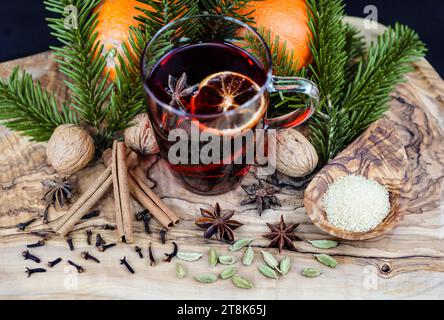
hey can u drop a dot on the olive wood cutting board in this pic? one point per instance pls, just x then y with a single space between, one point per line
407 262
378 154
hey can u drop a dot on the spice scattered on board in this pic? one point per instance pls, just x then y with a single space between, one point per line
356 204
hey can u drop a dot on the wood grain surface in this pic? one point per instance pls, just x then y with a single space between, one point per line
407 262
378 154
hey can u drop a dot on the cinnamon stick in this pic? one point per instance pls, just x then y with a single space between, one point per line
121 193
88 200
85 203
139 179
138 193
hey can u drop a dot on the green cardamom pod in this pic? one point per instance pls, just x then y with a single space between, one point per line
212 257
323 244
311 273
227 260
270 259
248 257
326 260
180 271
239 244
285 265
241 282
189 256
267 271
206 278
228 273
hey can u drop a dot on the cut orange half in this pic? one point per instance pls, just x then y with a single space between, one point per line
223 92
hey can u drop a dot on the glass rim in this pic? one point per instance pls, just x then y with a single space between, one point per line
259 94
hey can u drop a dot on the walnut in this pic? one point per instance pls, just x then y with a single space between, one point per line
70 149
140 137
295 155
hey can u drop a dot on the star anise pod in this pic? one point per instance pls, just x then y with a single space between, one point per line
218 222
282 235
178 89
261 195
58 191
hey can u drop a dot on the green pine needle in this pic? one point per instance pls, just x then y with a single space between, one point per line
355 86
165 11
127 100
389 59
81 59
328 47
355 48
229 8
27 108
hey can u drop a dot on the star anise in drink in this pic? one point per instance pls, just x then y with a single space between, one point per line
261 195
218 222
177 89
58 191
282 235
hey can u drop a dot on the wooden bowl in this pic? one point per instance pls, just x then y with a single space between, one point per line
377 154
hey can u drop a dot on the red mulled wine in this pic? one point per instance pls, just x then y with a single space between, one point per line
218 88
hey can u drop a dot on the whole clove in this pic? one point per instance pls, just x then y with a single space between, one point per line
88 236
170 256
85 255
144 216
162 233
92 214
22 226
152 259
105 247
139 251
80 269
70 242
46 215
108 227
32 271
54 262
99 241
127 265
28 256
39 243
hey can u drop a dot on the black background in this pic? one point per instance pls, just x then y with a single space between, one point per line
23 30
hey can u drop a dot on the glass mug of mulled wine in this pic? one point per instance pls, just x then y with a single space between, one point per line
208 77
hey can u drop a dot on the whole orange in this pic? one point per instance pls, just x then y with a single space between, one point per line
115 17
289 20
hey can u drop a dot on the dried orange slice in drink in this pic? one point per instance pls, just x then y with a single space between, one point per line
226 91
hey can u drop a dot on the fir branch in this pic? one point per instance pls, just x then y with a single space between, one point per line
127 100
230 8
26 107
284 64
355 49
81 58
354 90
328 47
165 11
284 61
389 59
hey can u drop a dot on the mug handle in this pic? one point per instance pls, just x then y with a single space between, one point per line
300 115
